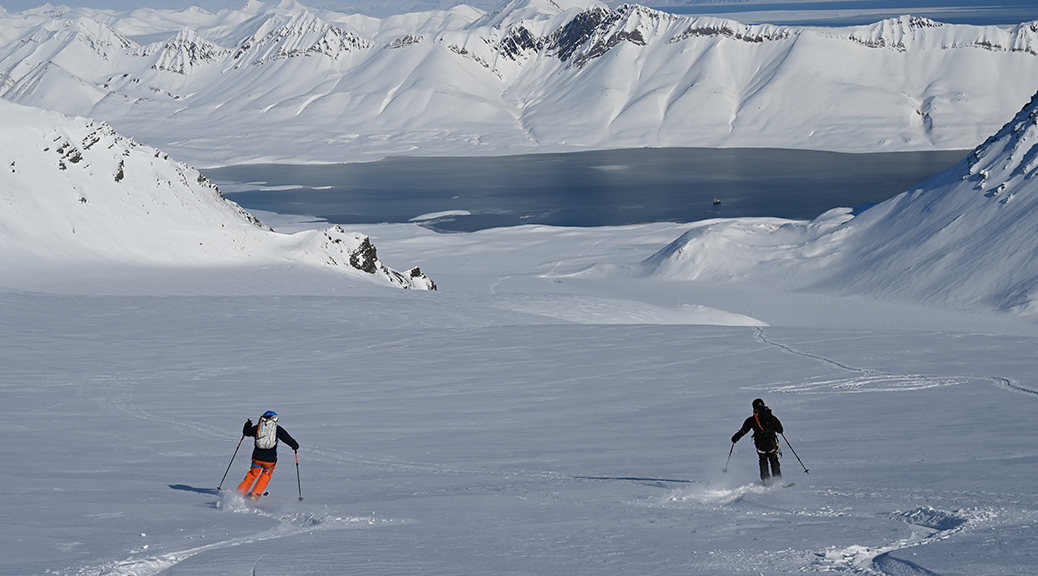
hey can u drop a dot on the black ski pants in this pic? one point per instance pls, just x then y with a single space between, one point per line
771 458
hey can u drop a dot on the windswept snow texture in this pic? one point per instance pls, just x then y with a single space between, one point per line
286 83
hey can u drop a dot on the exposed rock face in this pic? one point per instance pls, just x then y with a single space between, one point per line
356 250
183 53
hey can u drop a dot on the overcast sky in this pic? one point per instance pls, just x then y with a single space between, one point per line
830 12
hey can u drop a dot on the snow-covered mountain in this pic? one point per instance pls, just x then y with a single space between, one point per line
964 237
275 83
74 191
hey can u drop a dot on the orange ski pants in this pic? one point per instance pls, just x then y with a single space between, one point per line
260 470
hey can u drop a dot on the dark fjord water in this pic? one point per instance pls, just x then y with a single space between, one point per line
601 188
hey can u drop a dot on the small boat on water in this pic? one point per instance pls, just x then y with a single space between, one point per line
717 201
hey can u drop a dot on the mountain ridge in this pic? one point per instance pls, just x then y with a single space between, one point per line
76 192
963 238
287 83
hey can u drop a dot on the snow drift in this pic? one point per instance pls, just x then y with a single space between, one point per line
73 191
966 236
286 83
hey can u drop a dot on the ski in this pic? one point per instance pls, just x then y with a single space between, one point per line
777 485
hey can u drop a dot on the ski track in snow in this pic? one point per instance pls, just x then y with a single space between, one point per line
117 399
928 524
117 395
553 274
720 496
288 525
869 380
1010 385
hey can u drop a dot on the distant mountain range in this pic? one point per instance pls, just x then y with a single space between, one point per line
285 83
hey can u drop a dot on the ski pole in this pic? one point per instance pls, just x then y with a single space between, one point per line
220 487
298 485
794 453
729 458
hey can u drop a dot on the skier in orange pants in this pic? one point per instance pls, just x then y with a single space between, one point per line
265 452
262 470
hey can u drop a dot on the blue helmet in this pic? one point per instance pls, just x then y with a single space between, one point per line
270 415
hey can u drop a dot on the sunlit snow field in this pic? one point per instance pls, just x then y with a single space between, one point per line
518 421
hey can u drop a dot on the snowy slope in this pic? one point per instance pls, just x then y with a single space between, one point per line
286 82
75 191
965 237
520 421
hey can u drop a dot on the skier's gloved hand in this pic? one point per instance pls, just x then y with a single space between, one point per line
735 438
245 428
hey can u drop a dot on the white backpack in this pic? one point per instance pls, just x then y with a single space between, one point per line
266 433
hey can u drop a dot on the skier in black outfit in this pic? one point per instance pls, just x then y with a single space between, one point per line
765 428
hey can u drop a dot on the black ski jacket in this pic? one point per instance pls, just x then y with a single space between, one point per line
765 426
269 454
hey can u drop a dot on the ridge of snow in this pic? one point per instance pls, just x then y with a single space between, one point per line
99 36
183 53
48 84
1010 157
74 190
911 32
303 34
520 12
964 237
